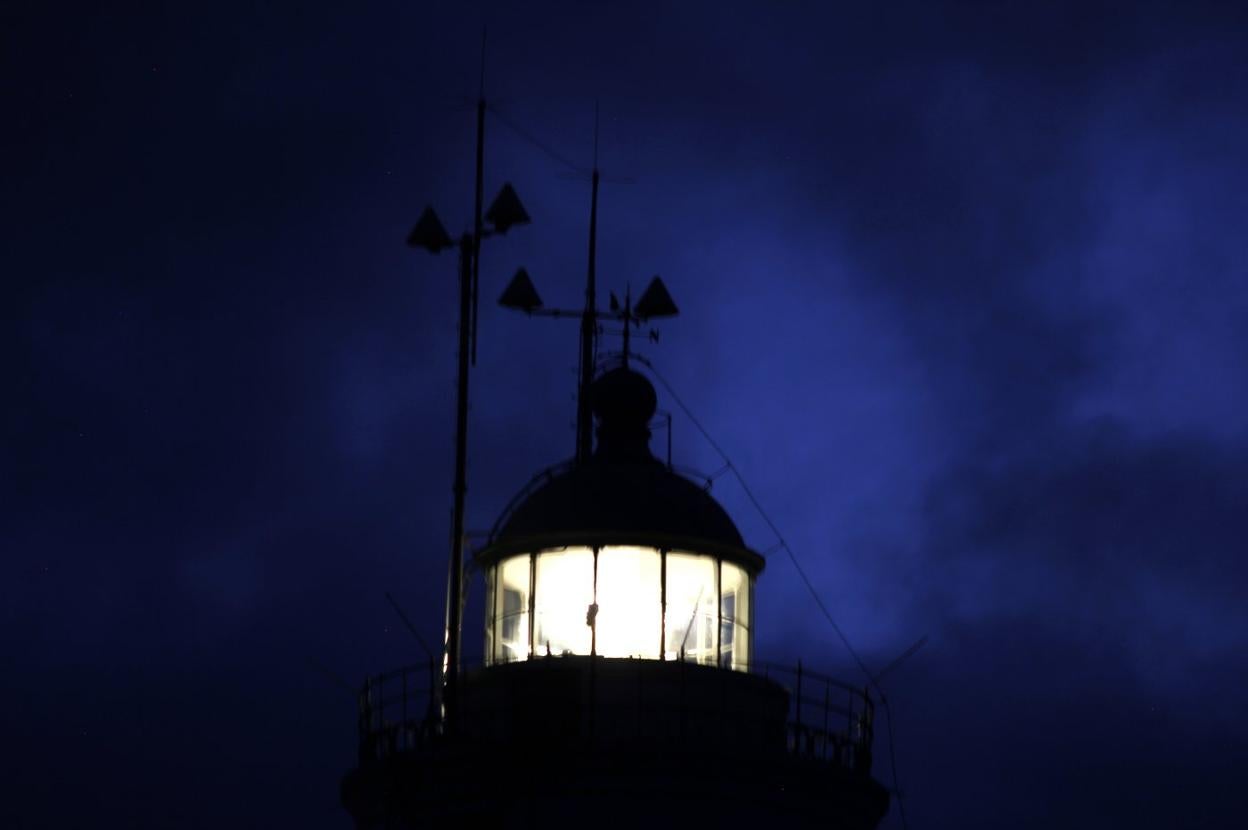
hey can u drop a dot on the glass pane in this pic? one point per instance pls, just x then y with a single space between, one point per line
741 647
629 602
564 592
489 614
734 646
734 593
734 608
511 610
691 613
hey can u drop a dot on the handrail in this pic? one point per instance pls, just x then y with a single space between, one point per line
418 705
828 720
761 667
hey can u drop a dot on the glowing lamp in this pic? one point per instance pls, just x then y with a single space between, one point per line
620 557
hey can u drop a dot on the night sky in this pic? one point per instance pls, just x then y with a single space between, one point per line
963 294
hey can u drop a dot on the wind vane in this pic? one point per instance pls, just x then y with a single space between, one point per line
655 302
521 295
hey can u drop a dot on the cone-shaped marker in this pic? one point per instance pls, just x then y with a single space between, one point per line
655 302
520 294
506 210
429 233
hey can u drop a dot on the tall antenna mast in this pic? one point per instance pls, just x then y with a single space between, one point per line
505 212
589 323
476 225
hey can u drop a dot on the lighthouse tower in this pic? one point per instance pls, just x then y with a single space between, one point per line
620 685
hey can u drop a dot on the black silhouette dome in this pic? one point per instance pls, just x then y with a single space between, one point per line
622 489
602 497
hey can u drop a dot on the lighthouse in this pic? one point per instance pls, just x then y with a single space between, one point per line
620 684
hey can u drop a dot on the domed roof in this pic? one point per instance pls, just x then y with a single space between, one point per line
605 497
621 493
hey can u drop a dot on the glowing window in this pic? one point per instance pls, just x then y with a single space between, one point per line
622 601
734 616
511 610
630 610
564 590
691 614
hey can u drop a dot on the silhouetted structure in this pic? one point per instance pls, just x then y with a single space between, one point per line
620 686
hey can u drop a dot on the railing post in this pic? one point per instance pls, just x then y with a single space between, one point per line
641 706
869 711
827 704
433 685
862 747
849 716
363 721
684 710
797 723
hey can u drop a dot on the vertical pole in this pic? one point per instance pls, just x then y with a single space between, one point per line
532 645
455 590
592 616
589 325
663 604
476 226
719 612
593 656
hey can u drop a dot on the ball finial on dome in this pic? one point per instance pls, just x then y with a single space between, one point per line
623 402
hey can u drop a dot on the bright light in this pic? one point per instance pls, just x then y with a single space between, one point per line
620 613
565 590
630 614
690 608
511 610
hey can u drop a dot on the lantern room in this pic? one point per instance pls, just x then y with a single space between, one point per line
619 556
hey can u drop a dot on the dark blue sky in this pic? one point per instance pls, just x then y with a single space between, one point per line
963 294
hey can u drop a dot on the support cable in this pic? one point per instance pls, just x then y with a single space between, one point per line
814 593
536 142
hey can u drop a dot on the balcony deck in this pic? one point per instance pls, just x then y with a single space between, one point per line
617 742
620 702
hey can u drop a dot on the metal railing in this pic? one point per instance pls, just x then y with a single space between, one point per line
828 720
399 711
